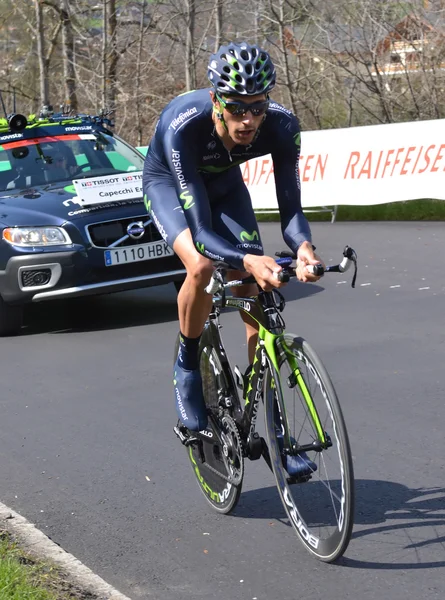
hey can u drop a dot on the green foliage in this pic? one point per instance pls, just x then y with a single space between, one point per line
412 210
18 576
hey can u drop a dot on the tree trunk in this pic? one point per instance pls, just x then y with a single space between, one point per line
137 91
104 53
112 57
68 56
190 64
218 23
43 63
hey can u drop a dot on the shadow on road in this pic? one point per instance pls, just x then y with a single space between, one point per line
98 313
405 520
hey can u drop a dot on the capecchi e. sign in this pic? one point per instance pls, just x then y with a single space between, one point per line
98 190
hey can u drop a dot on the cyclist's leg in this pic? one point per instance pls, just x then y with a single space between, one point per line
234 219
193 303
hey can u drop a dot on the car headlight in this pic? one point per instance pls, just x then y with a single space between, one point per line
36 236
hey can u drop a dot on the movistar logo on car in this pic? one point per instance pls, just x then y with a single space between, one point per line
80 128
179 120
12 136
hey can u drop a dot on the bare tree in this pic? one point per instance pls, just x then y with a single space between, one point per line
68 56
43 59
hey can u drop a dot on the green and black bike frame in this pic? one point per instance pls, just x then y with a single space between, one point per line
270 352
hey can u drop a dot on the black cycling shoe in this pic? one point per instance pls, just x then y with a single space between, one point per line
298 465
190 405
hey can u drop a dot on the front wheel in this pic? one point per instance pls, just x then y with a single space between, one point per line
303 417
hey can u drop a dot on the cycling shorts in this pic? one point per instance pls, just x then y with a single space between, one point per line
232 214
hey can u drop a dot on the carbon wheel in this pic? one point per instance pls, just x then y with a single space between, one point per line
320 503
217 456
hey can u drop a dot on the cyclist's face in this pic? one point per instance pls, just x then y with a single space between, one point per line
242 128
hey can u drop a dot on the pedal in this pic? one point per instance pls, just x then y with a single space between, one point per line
184 436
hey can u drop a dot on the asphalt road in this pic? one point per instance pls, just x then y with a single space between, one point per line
87 451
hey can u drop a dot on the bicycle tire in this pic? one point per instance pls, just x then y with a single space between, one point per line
321 508
221 494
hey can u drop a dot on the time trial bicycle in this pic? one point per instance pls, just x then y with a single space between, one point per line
303 417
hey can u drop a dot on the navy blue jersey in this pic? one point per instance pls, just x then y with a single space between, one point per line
186 152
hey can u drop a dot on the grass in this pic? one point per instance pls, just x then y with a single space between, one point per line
25 578
412 210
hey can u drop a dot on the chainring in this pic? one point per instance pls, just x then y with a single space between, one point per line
232 449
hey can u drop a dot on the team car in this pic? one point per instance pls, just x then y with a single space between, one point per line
72 215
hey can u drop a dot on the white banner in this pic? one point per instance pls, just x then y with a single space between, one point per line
361 166
97 190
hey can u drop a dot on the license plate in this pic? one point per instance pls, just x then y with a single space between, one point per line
121 256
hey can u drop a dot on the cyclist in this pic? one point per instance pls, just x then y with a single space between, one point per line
196 196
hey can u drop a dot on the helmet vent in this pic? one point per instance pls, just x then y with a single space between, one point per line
244 55
250 85
249 69
226 69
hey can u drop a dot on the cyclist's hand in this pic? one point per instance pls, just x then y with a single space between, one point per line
306 256
264 269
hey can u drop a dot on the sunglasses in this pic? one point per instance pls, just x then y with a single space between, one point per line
240 109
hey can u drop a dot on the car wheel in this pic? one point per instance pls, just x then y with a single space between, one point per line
11 318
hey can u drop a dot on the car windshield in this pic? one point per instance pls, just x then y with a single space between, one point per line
48 160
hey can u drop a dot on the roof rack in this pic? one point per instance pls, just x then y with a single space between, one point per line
16 122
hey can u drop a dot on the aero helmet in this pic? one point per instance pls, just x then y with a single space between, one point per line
241 69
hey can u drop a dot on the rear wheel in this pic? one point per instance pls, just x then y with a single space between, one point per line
11 318
217 456
320 505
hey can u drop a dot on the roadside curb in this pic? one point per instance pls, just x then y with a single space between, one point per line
36 543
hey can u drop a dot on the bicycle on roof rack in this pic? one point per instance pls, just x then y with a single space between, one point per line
303 418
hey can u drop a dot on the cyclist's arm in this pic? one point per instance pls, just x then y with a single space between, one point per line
180 153
285 156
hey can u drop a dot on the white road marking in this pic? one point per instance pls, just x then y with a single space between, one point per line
424 288
340 282
394 286
363 284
